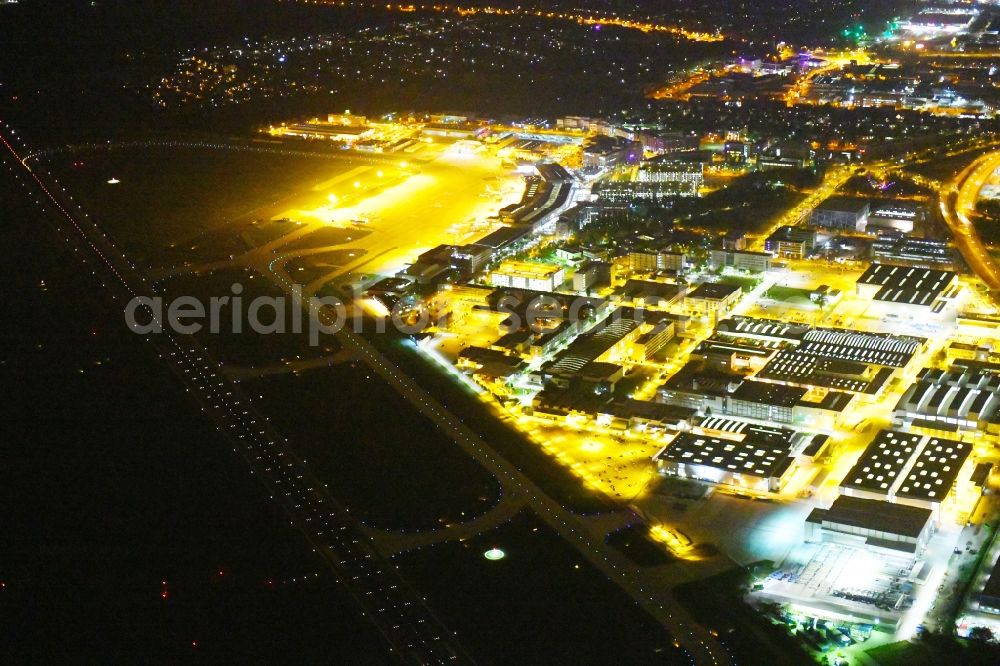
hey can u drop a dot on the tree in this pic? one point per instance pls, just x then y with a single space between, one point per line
981 634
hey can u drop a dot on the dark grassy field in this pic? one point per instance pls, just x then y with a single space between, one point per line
516 448
541 604
113 483
178 196
241 346
634 542
389 464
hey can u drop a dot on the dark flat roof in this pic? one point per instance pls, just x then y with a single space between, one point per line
697 377
836 401
901 519
749 456
724 347
647 288
894 545
766 393
503 236
981 474
653 411
906 284
574 399
816 444
935 470
882 461
553 172
845 205
793 234
715 291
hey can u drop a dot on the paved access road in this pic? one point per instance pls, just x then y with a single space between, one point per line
399 612
957 202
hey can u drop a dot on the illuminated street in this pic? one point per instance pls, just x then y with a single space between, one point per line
957 203
347 332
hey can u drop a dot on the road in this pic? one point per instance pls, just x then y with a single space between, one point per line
837 175
647 588
834 178
651 589
407 623
447 199
957 202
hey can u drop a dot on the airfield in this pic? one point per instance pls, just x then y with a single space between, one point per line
321 217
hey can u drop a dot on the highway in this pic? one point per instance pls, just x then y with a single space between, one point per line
648 590
588 18
407 623
957 202
407 219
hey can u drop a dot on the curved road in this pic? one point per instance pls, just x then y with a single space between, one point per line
957 202
645 588
406 621
398 611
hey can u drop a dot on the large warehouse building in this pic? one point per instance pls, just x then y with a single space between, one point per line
525 275
871 524
953 400
844 213
903 292
909 468
841 359
757 458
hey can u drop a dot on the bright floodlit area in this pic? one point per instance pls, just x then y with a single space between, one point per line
543 332
316 216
